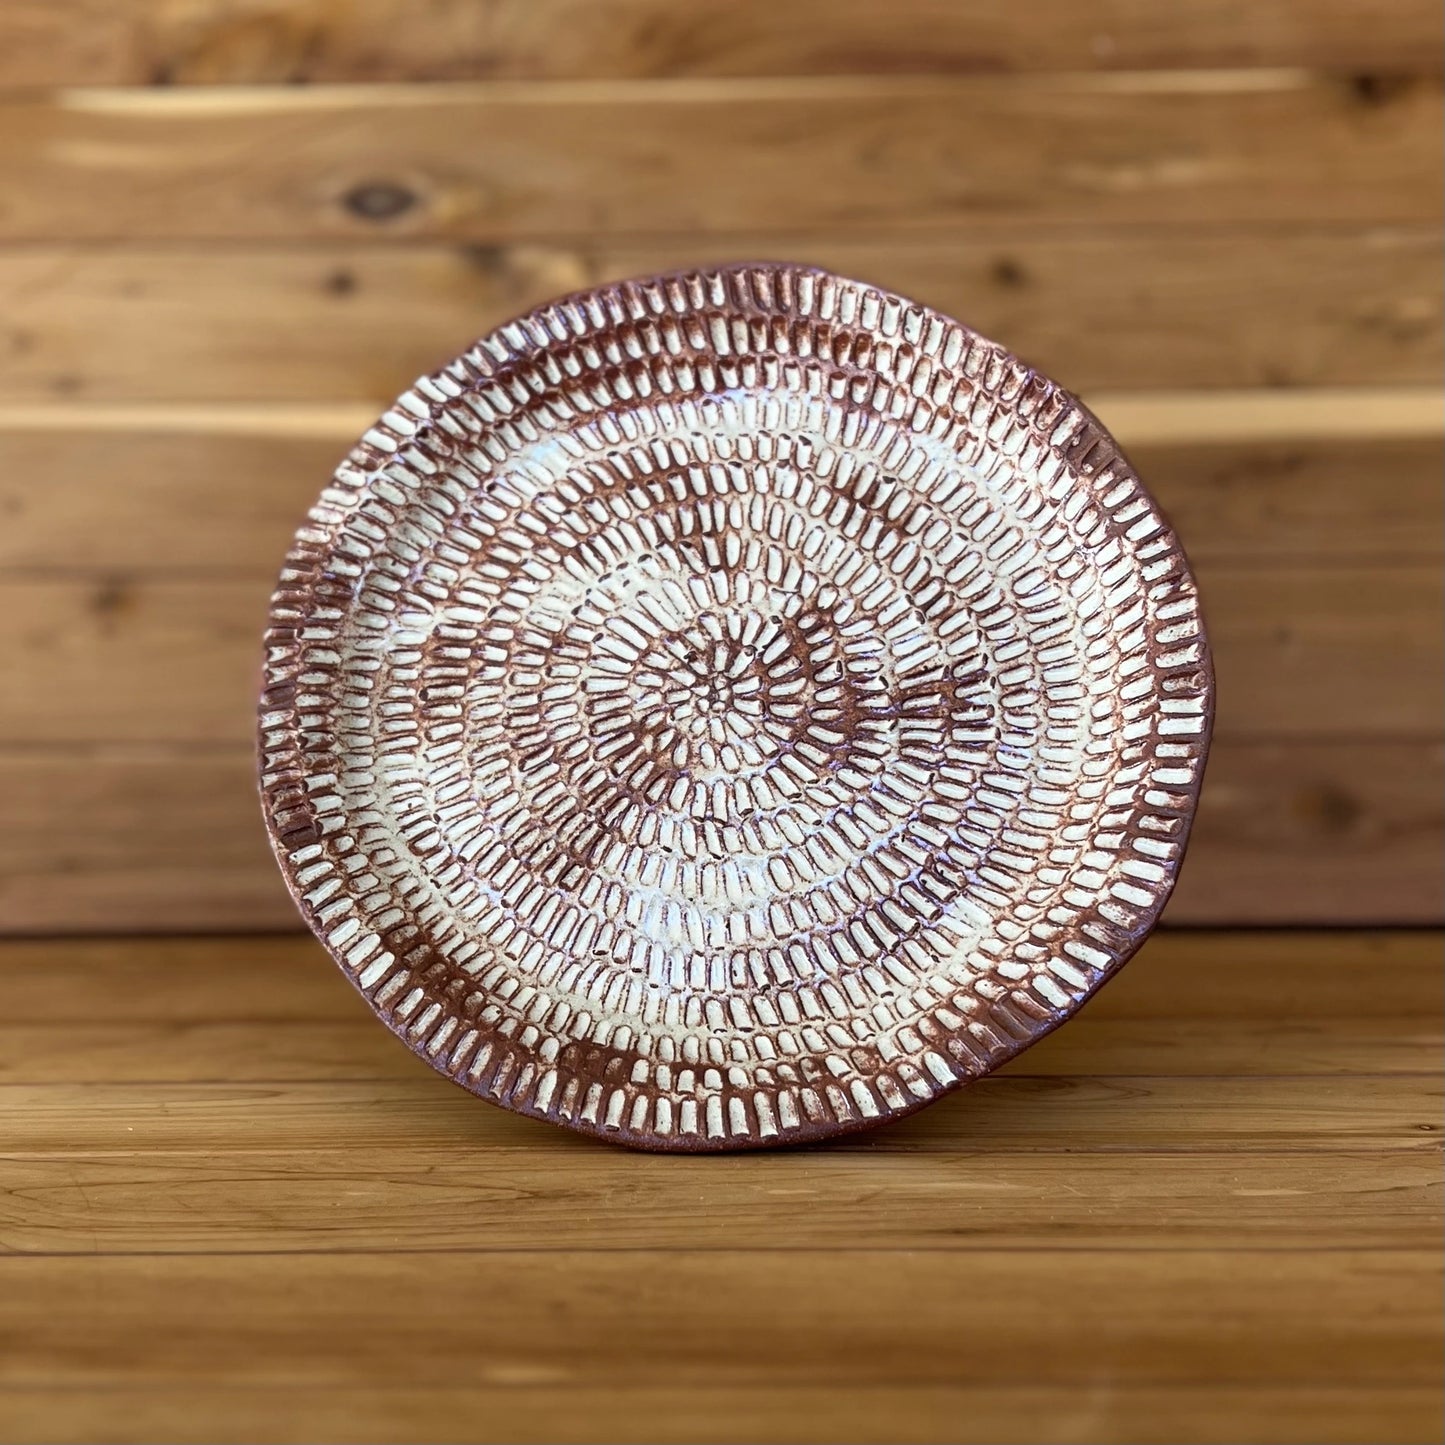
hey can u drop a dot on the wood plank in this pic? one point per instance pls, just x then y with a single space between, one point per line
265 1202
109 659
1218 308
1010 1112
1224 978
1324 832
295 324
355 1047
276 1010
1213 307
207 502
1297 500
286 979
99 42
726 1317
1324 650
165 502
1318 1412
600 159
1289 834
148 840
1306 652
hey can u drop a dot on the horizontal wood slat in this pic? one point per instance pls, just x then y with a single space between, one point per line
354 1047
1310 652
308 1053
88 42
158 841
1294 833
1004 1113
1111 309
195 1010
1291 502
171 840
120 503
521 1198
591 160
1227 979
1319 1413
727 1317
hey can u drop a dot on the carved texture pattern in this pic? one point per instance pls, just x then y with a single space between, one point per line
731 708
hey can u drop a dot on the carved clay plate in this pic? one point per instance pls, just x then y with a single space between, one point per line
732 708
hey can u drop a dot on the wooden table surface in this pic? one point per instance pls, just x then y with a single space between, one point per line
234 1208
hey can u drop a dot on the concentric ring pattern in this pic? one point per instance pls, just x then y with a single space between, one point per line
730 708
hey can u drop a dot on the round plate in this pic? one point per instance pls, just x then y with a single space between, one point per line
732 708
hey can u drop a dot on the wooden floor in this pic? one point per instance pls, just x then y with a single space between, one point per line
232 1207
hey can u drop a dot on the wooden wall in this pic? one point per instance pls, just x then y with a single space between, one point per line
232 230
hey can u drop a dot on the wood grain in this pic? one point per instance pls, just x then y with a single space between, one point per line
1286 502
1307 652
1102 1413
94 655
352 1047
106 839
502 1199
98 42
726 158
232 1207
236 1261
1214 307
514 1185
211 503
1009 1112
1333 976
275 1010
1324 651
1294 833
170 839
725 1317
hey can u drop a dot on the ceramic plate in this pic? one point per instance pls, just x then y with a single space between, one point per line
732 708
